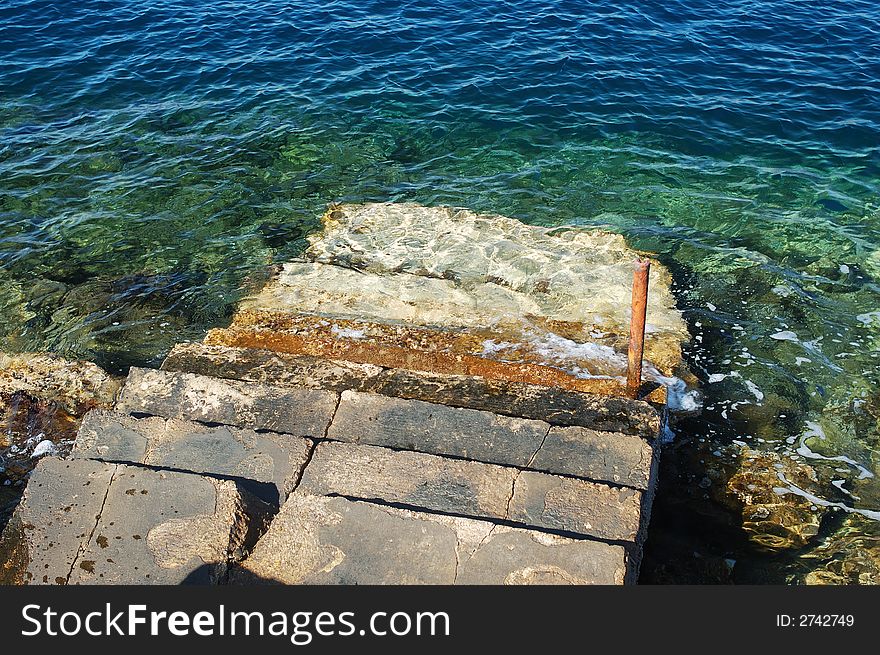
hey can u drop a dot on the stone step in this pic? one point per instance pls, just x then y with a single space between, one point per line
398 423
88 522
377 419
553 405
301 412
273 461
374 419
435 350
334 540
474 489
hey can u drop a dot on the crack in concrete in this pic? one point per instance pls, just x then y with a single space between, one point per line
333 415
540 445
512 493
486 538
85 543
310 453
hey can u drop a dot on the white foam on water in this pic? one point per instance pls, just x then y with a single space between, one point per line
667 434
759 395
492 347
785 335
794 489
560 351
869 317
679 398
45 447
815 430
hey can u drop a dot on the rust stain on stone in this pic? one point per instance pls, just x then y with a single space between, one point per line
399 346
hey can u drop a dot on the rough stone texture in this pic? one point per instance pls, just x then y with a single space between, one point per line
576 506
430 349
77 385
426 427
54 520
268 458
272 368
524 557
302 412
401 477
553 405
163 527
321 540
621 459
88 522
572 276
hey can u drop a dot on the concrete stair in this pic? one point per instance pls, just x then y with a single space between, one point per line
338 472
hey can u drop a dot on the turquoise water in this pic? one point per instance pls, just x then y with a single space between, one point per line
155 158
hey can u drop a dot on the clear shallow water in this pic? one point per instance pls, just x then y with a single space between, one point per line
154 159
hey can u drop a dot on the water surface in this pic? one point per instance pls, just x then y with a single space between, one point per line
155 157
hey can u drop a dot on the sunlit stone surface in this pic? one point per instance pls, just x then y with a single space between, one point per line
456 283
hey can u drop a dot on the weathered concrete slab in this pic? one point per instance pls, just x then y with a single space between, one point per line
422 348
473 489
302 412
553 405
89 522
438 429
403 477
332 540
602 456
577 506
163 527
54 520
268 458
271 368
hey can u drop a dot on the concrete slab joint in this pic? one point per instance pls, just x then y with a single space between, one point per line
141 526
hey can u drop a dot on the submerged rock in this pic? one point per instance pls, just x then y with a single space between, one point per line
773 518
446 290
75 385
851 555
42 399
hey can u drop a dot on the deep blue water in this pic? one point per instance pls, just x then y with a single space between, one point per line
155 157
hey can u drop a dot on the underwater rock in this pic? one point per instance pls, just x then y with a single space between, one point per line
75 385
448 291
774 519
42 398
851 555
15 313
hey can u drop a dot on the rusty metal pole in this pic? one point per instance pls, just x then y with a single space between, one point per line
637 326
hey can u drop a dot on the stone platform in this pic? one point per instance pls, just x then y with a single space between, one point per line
419 443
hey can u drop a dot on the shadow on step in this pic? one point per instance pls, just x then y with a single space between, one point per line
267 492
207 573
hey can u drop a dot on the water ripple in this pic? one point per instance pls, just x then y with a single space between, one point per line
155 157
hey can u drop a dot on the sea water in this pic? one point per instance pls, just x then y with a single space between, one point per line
156 158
